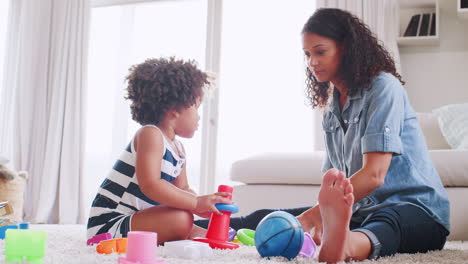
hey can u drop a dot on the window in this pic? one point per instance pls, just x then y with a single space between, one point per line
262 103
121 36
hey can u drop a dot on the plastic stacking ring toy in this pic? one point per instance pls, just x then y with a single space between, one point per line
236 240
246 236
232 234
227 207
217 234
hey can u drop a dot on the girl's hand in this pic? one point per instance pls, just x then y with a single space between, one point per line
204 214
206 203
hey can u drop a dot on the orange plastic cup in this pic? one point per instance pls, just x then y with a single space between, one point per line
118 245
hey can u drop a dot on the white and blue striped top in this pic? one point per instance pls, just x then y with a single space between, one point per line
120 193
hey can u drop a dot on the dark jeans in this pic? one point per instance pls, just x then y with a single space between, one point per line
402 229
251 221
397 229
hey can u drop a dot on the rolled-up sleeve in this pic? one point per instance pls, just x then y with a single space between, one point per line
384 117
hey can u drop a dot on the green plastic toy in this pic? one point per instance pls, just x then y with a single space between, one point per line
25 244
246 236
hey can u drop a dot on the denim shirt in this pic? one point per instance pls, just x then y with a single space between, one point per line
381 119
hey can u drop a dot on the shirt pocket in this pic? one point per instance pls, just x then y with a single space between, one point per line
330 124
355 117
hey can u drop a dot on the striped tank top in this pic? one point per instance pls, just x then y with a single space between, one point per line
120 195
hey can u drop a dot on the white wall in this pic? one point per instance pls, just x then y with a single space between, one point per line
438 75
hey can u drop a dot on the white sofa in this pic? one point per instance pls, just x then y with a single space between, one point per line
285 180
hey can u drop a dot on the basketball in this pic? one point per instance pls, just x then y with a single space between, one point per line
279 234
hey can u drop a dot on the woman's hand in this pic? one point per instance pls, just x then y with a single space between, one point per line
311 222
206 203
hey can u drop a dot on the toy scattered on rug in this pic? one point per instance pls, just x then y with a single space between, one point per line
98 238
246 236
12 225
141 248
187 249
308 247
27 245
107 245
280 234
243 236
116 245
217 234
231 234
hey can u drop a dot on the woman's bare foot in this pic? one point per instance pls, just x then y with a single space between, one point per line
335 200
307 226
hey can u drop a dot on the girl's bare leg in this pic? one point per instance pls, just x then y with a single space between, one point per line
170 223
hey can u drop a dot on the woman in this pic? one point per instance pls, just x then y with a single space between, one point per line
380 194
376 154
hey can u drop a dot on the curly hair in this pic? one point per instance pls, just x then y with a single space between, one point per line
157 85
364 56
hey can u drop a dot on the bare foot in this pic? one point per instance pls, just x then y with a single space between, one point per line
313 227
335 200
197 232
306 225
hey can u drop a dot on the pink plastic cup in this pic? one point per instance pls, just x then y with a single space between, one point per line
141 248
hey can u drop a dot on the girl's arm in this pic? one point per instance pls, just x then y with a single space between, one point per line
182 181
149 146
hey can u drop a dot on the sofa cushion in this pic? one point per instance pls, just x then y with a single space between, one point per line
432 132
279 168
305 168
452 166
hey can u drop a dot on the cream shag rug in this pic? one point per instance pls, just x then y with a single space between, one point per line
67 244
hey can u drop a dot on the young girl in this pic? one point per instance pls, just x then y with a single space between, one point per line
147 188
380 194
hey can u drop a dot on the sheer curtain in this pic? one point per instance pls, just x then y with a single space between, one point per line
123 35
262 102
4 8
5 95
42 103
